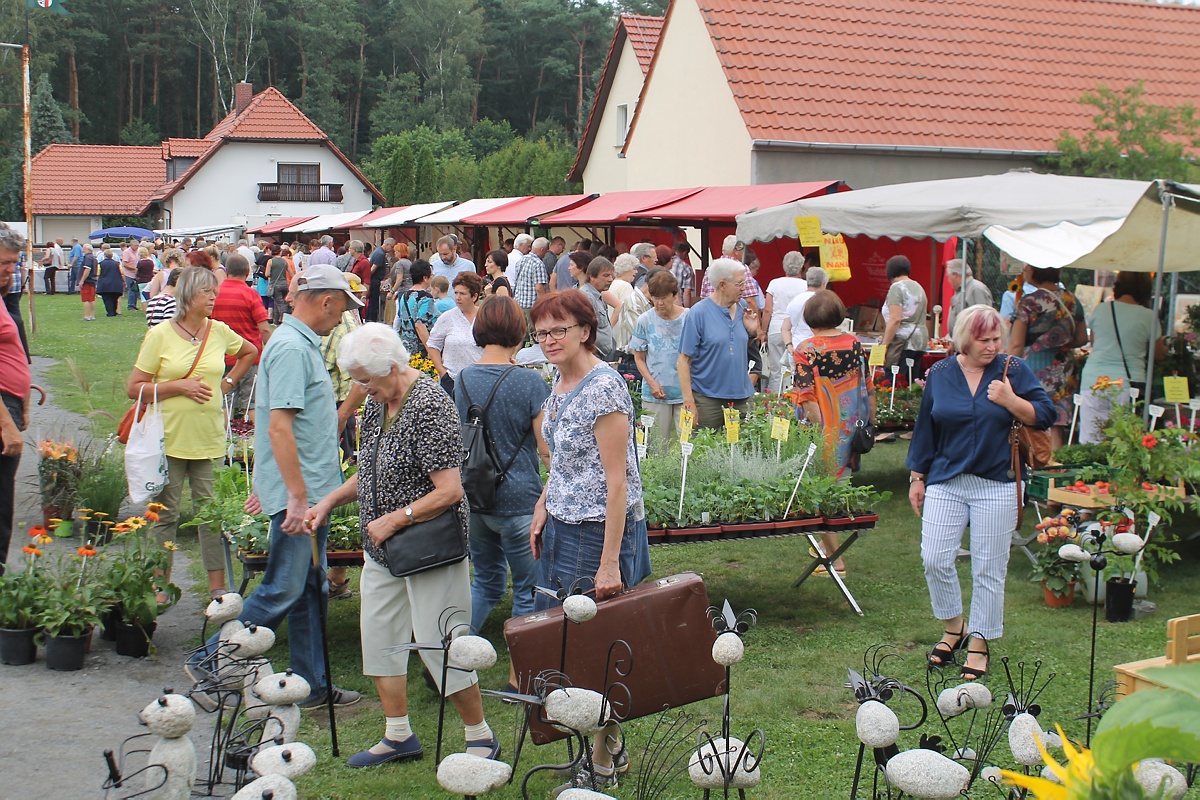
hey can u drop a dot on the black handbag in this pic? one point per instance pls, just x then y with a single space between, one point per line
423 546
863 438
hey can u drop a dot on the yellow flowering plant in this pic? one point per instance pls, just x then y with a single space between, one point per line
59 473
423 364
136 563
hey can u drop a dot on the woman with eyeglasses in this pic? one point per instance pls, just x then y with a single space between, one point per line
589 527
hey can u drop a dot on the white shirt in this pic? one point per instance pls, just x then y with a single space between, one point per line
795 312
783 291
245 251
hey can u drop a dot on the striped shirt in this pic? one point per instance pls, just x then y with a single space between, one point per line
159 308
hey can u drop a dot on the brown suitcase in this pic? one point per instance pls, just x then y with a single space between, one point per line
670 636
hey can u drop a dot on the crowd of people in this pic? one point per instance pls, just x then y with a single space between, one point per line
316 343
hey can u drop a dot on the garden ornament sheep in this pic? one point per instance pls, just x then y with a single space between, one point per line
170 717
274 699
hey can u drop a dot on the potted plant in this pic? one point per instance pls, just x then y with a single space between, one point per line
59 473
134 572
74 600
1057 576
22 594
103 488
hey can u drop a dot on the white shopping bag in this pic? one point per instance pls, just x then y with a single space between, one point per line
146 454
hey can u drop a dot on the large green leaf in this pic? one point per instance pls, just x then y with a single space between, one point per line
1156 723
1182 677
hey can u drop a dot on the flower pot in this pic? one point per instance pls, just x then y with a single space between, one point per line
65 653
108 624
797 524
747 530
98 533
17 646
57 512
133 640
1118 600
1140 581
1058 601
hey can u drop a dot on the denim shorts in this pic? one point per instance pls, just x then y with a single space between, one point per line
571 552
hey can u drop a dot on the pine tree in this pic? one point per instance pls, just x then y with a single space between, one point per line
398 183
425 179
48 126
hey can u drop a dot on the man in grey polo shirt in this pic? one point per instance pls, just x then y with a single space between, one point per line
296 461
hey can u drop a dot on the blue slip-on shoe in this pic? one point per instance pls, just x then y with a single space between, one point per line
407 750
484 748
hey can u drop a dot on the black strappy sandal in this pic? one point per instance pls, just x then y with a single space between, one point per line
944 651
971 673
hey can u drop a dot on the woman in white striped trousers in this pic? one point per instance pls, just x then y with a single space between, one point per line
960 474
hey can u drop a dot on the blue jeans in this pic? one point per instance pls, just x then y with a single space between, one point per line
286 593
73 275
500 544
132 293
571 551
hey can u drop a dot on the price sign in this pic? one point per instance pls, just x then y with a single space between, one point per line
781 428
686 448
808 231
647 421
686 420
732 432
895 369
639 436
641 450
731 415
1194 405
1157 411
1176 390
878 356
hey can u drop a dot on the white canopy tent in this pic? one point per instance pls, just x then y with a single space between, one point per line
407 215
957 207
326 222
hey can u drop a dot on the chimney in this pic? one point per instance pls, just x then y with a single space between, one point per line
243 93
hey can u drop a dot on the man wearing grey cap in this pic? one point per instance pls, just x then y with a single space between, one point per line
296 461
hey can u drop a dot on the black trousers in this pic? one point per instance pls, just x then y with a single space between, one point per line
8 482
48 279
110 302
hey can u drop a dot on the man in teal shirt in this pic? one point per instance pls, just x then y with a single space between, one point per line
296 460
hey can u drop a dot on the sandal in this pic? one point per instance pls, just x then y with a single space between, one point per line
824 572
972 673
339 591
944 651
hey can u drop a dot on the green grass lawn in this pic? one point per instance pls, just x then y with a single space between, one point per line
791 681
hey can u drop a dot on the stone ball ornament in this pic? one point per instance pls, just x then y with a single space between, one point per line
584 794
282 688
579 608
876 724
468 775
276 787
1023 736
1128 543
718 760
253 640
472 652
1153 774
728 649
170 716
1073 552
224 608
927 774
957 699
290 760
580 710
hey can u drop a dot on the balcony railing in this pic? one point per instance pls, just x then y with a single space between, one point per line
300 192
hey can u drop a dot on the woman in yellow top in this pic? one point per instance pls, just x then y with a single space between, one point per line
193 414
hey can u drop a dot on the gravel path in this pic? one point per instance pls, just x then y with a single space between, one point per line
58 724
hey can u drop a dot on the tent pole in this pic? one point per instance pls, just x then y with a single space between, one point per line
1172 303
1168 201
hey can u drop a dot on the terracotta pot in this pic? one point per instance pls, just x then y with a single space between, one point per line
56 512
1055 601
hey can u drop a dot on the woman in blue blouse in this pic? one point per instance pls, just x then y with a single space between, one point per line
960 461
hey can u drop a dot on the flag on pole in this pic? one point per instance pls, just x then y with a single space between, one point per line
53 5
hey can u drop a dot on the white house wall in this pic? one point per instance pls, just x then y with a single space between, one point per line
605 171
225 190
689 131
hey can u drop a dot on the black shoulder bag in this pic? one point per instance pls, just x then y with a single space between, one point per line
482 473
421 546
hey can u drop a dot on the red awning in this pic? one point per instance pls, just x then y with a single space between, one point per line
374 215
722 204
279 224
614 207
521 211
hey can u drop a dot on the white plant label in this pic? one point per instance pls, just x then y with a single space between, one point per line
1156 413
892 400
647 421
686 448
1078 401
910 362
1194 404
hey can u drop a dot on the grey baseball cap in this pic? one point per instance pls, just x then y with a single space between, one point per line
326 276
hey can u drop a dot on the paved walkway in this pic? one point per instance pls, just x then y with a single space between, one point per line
55 726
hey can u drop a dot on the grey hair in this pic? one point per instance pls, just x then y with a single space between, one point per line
10 239
960 267
522 239
793 263
389 240
724 269
326 239
107 253
816 278
641 249
192 281
356 246
374 348
975 320
540 243
624 264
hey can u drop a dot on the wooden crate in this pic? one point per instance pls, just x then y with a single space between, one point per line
1183 647
1094 499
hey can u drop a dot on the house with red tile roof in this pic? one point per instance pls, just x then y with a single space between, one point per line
874 93
264 161
600 163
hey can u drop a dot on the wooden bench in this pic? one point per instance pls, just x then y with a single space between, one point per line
1183 646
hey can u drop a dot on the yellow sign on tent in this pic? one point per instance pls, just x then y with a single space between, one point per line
835 257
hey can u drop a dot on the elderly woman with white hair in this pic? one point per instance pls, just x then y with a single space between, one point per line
411 438
633 303
794 330
960 451
713 345
780 293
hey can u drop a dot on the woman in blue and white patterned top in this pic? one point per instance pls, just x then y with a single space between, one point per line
589 522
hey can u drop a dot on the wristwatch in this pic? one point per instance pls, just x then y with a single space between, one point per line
408 515
228 380
916 479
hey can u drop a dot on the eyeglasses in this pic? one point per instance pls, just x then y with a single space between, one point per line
364 384
556 334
